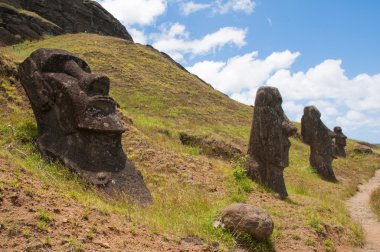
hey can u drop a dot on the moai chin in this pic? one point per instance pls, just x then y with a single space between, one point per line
78 122
315 133
340 142
269 145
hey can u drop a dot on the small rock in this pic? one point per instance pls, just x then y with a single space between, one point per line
248 219
16 200
192 240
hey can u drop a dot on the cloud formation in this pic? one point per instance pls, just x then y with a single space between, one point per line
175 41
350 102
132 12
191 7
219 6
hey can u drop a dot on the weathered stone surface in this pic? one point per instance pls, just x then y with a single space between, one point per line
363 149
78 123
340 142
269 145
61 16
244 218
315 133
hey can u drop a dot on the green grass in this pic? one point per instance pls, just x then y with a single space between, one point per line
375 201
163 101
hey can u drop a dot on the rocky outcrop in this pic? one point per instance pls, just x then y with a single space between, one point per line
78 122
363 149
211 147
55 17
315 133
269 145
244 218
15 26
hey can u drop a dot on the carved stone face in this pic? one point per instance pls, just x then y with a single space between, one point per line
81 97
340 137
276 126
77 120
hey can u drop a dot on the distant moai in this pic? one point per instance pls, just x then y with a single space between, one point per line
269 144
78 122
315 133
340 142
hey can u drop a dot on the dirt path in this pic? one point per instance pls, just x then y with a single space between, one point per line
361 211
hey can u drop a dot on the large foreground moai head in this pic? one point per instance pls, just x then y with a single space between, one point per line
340 142
78 122
269 145
319 137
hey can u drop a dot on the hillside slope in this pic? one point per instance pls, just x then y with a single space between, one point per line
159 101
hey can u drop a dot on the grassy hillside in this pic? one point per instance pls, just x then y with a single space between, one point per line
189 188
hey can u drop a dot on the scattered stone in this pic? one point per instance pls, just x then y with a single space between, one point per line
244 218
315 133
16 201
340 142
77 122
269 145
363 149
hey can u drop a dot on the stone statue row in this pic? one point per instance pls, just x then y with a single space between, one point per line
268 149
78 125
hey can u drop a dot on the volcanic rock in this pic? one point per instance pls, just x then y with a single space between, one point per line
55 17
244 218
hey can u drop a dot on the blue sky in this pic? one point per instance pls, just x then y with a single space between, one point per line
322 53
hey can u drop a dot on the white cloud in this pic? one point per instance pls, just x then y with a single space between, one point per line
240 76
219 6
246 6
352 103
131 12
174 40
138 35
191 7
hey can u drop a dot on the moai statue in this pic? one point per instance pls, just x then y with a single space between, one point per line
78 122
340 142
319 137
269 145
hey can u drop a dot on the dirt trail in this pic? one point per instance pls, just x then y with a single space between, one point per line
361 211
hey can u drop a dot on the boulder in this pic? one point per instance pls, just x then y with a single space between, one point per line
244 218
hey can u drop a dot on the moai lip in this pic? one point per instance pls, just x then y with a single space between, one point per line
315 133
78 122
269 144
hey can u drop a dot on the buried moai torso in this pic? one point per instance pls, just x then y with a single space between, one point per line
319 137
340 142
78 122
269 145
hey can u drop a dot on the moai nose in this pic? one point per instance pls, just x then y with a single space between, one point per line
96 84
